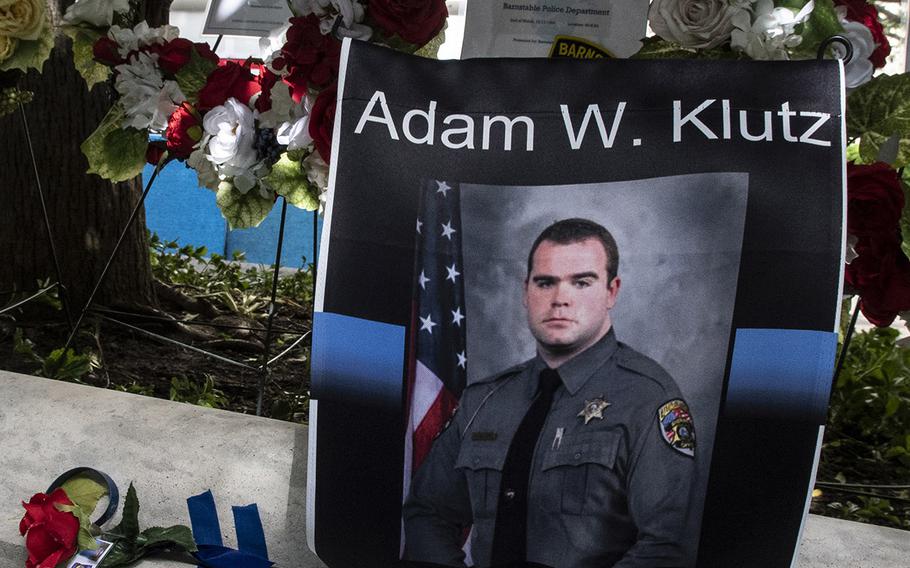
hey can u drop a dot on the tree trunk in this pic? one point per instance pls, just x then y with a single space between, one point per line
86 213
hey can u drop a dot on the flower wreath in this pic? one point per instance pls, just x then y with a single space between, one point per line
26 41
251 130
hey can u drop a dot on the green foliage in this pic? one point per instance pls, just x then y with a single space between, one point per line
242 210
656 48
865 461
879 110
192 76
291 406
289 181
131 544
191 391
135 387
114 152
431 49
84 538
822 24
83 57
84 492
60 364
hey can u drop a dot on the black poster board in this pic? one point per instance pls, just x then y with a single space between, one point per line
723 184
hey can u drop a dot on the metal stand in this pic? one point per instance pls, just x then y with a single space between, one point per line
50 235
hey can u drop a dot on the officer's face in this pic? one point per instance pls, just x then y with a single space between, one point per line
568 297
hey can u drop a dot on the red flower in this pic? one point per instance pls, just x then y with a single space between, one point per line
866 14
875 199
310 58
184 130
322 121
176 53
415 21
154 151
883 279
267 80
105 51
52 533
230 80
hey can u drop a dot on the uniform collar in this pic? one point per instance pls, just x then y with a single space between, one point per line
576 371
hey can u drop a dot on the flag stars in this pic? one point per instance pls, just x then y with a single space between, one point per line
427 324
442 187
423 280
462 360
447 230
452 273
457 316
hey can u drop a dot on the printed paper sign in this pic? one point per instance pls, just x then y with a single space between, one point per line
527 28
245 17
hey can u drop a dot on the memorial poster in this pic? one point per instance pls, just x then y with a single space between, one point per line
245 17
721 186
527 28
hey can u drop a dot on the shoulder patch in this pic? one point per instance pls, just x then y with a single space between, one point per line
676 426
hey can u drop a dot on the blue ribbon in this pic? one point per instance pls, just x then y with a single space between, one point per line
211 552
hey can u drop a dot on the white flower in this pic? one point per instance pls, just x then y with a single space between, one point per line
95 12
147 98
328 11
232 132
289 119
851 253
205 171
129 40
271 44
317 171
769 34
859 69
694 23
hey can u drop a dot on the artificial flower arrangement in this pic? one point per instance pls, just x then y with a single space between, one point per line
251 130
26 41
878 116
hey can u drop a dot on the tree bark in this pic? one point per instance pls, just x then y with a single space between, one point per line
86 213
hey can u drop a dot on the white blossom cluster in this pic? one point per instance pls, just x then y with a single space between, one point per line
345 17
147 98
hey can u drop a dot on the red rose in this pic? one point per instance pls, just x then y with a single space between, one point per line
415 21
105 51
310 58
176 53
154 151
866 14
887 292
322 121
267 80
875 199
230 80
52 533
184 130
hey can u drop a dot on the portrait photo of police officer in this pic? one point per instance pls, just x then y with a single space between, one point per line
582 456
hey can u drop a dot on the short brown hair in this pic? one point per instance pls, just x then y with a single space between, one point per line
575 230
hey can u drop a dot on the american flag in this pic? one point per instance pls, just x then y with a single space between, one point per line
438 361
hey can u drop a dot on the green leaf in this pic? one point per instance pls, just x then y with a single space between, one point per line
66 365
84 492
192 76
177 536
289 181
822 24
122 553
84 538
129 524
655 47
84 58
115 152
892 406
242 210
431 49
31 54
879 110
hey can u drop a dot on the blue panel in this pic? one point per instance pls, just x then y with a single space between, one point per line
781 374
357 361
179 210
259 243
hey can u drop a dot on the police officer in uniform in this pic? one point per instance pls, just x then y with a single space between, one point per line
582 457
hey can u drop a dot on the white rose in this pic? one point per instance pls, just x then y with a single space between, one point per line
96 12
7 47
22 19
693 23
859 69
232 132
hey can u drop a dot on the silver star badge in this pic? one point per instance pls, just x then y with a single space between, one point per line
594 409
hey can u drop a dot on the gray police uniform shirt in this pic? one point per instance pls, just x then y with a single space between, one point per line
604 491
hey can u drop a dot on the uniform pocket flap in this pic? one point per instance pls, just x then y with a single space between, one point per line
590 448
489 457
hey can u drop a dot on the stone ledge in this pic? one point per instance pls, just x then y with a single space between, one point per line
173 450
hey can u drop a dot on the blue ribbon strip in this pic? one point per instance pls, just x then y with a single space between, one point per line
211 552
